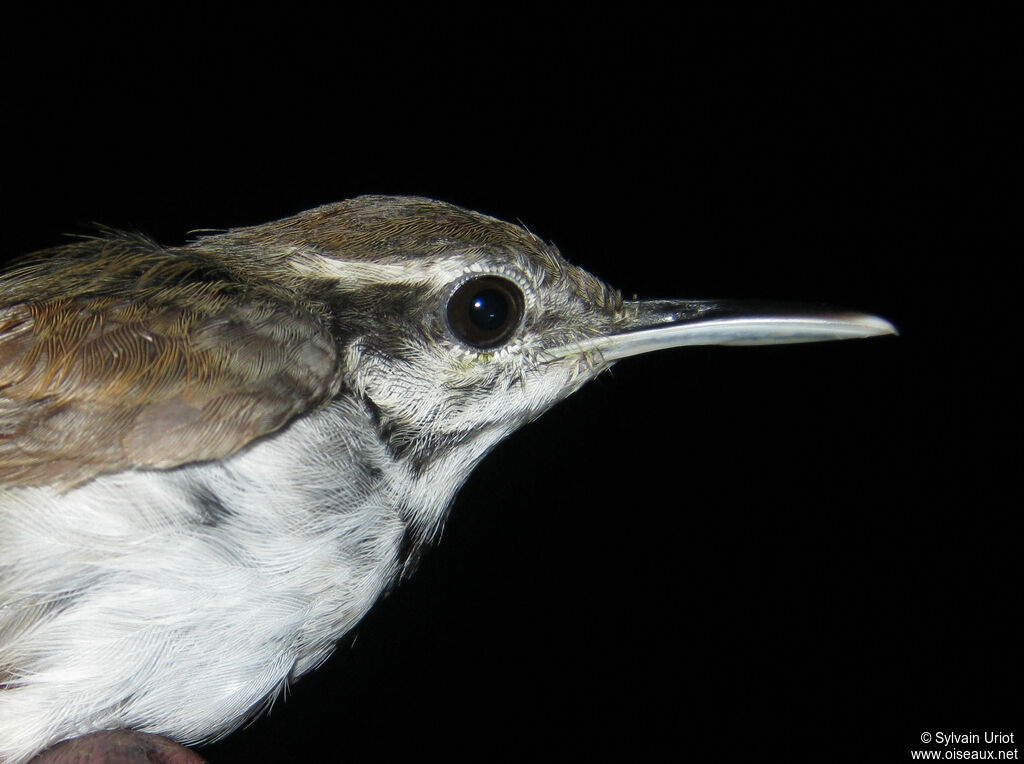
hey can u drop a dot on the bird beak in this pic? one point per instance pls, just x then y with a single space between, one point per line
658 324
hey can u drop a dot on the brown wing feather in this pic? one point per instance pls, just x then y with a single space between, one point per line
139 371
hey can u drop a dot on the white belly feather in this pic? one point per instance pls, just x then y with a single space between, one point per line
178 602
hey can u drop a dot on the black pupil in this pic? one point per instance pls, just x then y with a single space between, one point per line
484 311
488 310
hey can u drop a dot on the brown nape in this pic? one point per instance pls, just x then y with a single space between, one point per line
118 747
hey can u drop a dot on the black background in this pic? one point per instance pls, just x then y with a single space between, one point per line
712 554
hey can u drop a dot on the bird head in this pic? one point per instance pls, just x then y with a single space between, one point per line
457 327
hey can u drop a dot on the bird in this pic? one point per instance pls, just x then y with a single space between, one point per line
216 457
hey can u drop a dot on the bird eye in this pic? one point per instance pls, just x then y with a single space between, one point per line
484 311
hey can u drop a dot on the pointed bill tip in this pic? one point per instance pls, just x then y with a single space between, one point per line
862 325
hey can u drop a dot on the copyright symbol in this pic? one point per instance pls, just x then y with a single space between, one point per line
926 737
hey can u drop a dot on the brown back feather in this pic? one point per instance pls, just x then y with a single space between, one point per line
115 353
